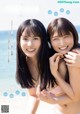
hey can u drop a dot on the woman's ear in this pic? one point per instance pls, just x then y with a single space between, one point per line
49 44
26 57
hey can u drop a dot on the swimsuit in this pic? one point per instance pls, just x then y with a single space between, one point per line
57 91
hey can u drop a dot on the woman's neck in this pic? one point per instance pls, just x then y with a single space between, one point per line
32 61
33 67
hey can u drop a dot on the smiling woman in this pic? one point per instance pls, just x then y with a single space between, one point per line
32 57
30 44
58 42
64 67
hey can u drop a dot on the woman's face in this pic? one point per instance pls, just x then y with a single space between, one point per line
62 44
30 45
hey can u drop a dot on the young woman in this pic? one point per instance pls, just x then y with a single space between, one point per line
64 66
32 57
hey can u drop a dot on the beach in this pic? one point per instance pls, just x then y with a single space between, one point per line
21 105
18 101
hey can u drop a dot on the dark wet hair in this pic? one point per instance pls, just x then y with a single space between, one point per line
63 26
23 74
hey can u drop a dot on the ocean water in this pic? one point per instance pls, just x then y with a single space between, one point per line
7 54
8 84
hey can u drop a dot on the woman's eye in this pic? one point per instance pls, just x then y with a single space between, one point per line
67 36
36 38
54 39
25 38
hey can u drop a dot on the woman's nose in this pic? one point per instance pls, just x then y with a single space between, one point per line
29 43
61 42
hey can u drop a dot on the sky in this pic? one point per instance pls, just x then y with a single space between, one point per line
17 11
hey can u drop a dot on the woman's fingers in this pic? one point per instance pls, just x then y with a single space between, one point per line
43 96
68 56
57 59
69 61
53 58
47 96
72 54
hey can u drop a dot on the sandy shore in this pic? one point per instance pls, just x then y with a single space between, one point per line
20 105
19 102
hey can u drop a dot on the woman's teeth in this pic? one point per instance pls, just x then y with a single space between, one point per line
63 48
30 50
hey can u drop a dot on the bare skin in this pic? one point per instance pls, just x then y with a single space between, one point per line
62 41
73 58
34 105
69 102
30 46
32 91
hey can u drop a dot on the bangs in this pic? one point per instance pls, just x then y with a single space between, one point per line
32 30
61 31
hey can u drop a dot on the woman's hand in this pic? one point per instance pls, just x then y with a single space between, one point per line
45 96
50 98
54 61
73 58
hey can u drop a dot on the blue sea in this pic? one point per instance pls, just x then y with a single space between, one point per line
8 84
7 54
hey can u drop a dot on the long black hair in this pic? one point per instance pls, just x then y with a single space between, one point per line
63 26
23 74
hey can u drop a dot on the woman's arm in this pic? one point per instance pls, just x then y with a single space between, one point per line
72 89
35 101
73 62
50 98
54 64
64 85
